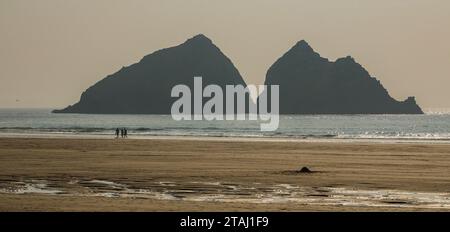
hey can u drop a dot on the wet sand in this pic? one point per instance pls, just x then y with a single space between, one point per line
64 174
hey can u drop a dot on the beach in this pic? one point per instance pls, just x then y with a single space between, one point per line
204 174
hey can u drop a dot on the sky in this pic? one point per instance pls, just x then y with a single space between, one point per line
52 50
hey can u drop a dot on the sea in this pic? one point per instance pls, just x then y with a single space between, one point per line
433 126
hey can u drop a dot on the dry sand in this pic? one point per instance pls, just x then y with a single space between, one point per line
51 174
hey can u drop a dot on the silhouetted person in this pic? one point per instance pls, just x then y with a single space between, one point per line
125 132
122 132
117 133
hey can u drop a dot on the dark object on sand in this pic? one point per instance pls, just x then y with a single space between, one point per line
305 170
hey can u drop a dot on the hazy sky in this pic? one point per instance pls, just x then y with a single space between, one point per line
52 50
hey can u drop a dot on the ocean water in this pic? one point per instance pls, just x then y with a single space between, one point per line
29 122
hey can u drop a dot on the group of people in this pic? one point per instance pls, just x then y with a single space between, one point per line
123 132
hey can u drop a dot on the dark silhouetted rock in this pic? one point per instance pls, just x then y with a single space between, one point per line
145 87
304 170
311 84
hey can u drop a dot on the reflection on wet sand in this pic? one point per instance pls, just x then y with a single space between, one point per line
231 192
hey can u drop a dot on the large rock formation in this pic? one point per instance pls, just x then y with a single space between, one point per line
311 84
145 87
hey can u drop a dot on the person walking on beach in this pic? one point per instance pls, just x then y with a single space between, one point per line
117 133
125 132
122 132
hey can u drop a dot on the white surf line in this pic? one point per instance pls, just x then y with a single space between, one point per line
231 138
